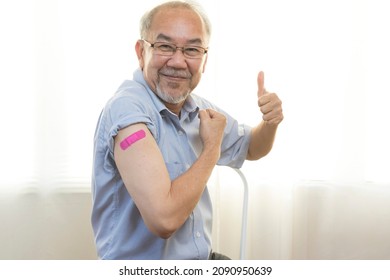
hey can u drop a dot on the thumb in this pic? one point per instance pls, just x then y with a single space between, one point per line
260 84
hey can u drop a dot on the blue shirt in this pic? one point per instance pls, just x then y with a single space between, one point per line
120 232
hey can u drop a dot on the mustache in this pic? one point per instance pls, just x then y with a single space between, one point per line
175 73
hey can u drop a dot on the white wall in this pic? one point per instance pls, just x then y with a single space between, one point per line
336 221
47 226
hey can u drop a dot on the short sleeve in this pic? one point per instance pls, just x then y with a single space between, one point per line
126 111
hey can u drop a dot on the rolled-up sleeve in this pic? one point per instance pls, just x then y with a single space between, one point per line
235 144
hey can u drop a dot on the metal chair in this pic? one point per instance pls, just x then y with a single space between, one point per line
244 214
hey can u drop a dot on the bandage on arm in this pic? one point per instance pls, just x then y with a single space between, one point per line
131 139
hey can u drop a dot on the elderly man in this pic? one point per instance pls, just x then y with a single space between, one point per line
156 144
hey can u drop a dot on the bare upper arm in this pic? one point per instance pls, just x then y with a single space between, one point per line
143 172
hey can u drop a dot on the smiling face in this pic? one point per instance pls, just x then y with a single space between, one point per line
174 77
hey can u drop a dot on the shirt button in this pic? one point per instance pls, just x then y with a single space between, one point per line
197 234
180 132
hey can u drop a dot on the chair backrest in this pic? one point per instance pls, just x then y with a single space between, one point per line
244 220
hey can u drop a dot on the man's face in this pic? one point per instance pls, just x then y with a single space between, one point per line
173 78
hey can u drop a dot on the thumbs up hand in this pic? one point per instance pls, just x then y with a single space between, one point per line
269 103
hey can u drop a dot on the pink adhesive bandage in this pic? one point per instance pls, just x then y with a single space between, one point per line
130 140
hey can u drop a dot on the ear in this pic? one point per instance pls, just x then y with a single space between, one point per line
139 49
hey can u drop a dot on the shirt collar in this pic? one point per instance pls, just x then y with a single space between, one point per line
190 107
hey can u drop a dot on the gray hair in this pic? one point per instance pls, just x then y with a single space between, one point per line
146 20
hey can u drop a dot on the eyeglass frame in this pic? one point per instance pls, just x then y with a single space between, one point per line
175 48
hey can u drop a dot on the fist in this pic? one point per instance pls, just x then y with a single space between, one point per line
212 127
269 103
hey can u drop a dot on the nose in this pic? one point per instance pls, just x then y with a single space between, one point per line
177 60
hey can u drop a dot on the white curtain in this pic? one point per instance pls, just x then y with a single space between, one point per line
324 190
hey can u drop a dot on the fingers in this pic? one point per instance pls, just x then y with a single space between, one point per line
203 114
267 102
271 108
210 117
213 114
210 114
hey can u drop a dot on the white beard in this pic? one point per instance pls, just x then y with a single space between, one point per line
170 99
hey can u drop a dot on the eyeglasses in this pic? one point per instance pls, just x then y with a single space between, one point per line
168 49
